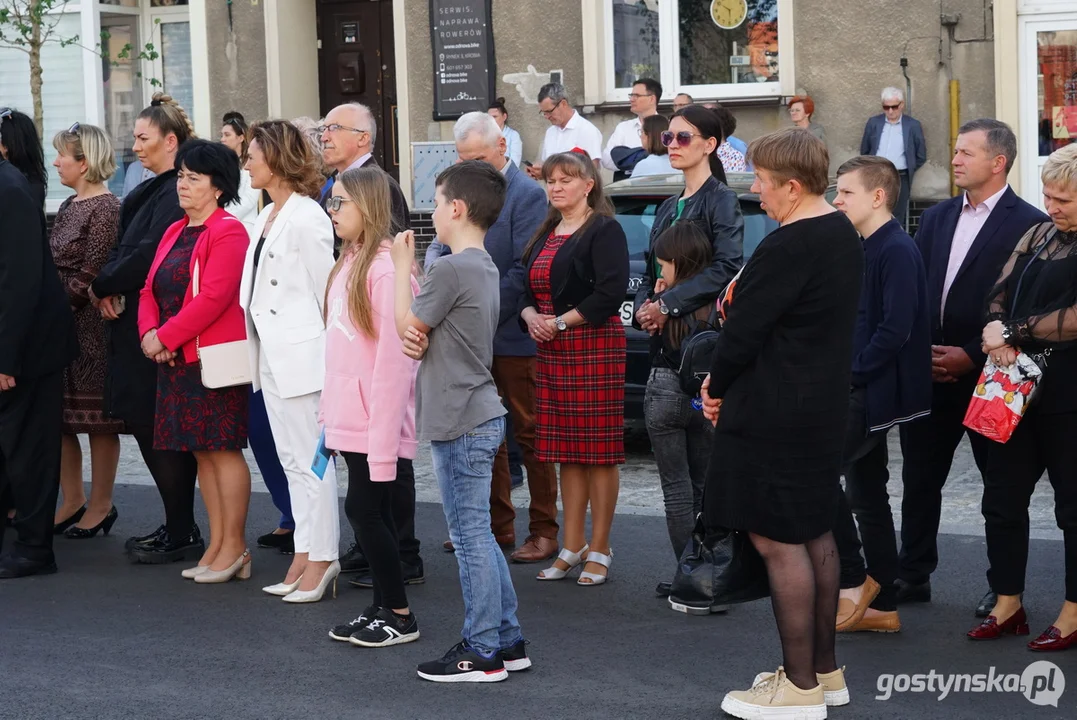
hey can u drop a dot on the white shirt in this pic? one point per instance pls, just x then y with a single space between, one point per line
654 165
360 162
246 210
969 224
514 144
626 134
892 144
578 132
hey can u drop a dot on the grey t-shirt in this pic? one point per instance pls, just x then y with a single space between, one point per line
460 301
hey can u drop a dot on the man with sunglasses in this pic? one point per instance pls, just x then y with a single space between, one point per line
900 139
347 135
568 129
643 101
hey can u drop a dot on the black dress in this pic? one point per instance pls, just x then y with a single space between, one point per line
189 415
782 366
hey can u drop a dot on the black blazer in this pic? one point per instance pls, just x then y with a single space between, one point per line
589 273
967 301
37 329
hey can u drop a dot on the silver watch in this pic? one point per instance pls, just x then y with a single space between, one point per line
560 324
662 307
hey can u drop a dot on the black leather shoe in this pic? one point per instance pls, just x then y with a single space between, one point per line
987 604
909 593
354 561
166 550
285 542
413 575
663 589
60 527
14 566
76 533
144 539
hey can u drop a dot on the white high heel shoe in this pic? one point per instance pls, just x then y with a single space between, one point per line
595 578
569 558
240 570
312 596
191 573
282 589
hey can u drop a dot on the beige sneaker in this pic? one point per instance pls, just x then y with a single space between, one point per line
834 689
776 697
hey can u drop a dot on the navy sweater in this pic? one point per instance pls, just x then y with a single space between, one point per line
892 340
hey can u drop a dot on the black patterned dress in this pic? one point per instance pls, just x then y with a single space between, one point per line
579 382
189 415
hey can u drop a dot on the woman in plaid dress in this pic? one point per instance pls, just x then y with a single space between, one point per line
577 275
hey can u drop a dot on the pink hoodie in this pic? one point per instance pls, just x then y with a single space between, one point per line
368 401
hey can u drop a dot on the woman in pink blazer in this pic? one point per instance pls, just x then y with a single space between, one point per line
174 322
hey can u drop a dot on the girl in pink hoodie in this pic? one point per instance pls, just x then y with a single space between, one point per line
368 401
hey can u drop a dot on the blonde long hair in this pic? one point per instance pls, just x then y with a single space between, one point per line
368 188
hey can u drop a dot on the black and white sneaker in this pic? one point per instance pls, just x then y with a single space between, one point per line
386 628
344 632
463 664
515 657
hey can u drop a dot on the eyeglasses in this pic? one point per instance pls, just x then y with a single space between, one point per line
334 127
683 138
637 96
74 129
547 113
334 203
891 107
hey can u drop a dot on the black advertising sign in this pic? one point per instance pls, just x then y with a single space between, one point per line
461 33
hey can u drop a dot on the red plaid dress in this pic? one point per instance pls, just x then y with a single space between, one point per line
579 383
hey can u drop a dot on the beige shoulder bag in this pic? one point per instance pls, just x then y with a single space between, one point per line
225 364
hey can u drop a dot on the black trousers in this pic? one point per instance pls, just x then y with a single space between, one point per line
402 497
928 447
175 473
866 474
369 506
1040 442
30 433
901 208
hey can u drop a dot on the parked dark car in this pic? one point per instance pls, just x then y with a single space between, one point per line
636 201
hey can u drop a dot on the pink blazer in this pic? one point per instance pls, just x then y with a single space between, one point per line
214 316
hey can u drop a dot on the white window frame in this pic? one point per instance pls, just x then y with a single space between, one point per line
599 82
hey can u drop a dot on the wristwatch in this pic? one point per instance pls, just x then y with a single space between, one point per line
1008 334
560 324
662 307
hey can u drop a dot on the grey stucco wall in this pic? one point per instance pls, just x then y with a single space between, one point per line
237 60
846 53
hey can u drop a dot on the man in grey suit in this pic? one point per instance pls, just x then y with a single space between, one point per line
479 138
900 139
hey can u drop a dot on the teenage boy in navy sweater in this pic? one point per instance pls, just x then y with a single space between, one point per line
891 385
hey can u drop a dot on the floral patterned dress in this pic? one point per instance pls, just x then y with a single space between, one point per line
189 415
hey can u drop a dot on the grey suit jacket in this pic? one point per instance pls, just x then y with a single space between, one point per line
915 146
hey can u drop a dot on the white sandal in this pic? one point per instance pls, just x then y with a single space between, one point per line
599 558
569 558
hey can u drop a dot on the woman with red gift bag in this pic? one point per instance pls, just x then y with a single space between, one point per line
1033 315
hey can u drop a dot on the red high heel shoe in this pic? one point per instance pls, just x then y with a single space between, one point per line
1052 640
992 629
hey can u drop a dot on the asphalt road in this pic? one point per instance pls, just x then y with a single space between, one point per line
105 639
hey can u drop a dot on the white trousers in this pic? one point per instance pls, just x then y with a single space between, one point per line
294 423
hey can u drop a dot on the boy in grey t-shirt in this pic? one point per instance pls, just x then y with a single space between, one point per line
450 327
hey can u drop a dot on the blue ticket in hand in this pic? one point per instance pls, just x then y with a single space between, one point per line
321 458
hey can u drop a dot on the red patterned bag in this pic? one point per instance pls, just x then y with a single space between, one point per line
1002 396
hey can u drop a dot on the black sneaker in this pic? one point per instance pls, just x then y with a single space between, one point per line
515 657
386 629
166 550
343 632
354 560
144 539
463 664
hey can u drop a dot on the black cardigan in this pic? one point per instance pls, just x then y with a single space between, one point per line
589 273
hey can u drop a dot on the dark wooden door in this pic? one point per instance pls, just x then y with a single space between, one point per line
356 63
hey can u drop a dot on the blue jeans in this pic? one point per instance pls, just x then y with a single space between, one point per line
464 468
264 448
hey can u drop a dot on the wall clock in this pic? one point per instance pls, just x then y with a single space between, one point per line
729 14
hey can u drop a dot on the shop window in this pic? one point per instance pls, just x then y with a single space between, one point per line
1056 58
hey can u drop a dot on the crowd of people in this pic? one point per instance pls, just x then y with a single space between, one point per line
264 289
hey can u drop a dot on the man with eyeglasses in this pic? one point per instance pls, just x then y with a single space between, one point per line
347 135
900 139
643 101
568 129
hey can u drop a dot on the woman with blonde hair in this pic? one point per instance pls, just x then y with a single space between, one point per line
368 407
82 235
284 279
577 272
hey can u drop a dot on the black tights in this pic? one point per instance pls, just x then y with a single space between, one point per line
369 505
175 473
804 583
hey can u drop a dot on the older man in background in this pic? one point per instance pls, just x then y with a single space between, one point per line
568 129
478 138
900 139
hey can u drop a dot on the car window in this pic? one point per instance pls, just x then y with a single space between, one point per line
756 226
636 215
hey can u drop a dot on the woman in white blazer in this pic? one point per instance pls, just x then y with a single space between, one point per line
283 293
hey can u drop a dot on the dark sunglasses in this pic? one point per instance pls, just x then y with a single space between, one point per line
683 137
891 107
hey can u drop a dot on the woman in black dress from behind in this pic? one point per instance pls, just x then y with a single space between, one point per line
779 394
20 146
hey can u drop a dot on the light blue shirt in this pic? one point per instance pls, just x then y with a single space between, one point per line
514 144
892 144
654 165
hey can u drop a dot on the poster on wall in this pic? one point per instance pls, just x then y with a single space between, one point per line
461 34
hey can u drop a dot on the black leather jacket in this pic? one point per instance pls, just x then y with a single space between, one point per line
716 210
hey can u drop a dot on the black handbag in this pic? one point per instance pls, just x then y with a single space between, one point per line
717 568
697 353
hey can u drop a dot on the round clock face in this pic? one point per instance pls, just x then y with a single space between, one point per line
729 14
